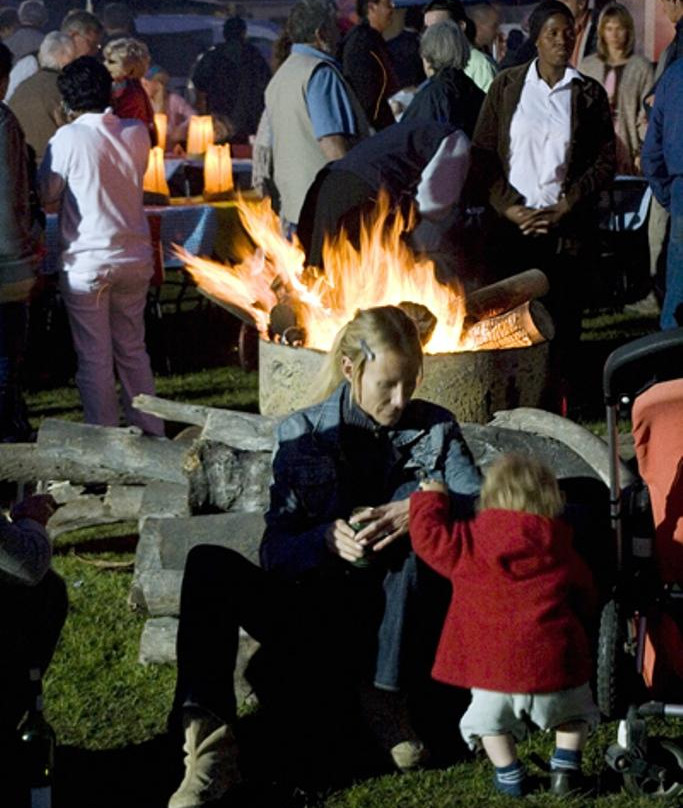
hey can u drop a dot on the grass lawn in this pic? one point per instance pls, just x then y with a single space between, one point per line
109 712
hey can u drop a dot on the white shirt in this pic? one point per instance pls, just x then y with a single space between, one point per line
94 167
23 69
444 175
540 134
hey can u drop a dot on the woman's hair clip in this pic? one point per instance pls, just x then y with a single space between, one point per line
367 351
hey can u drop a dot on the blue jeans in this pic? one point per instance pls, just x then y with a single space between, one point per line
672 308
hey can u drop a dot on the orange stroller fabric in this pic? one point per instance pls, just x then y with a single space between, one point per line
657 417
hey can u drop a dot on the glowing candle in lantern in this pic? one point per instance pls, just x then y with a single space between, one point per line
161 124
217 170
199 134
154 181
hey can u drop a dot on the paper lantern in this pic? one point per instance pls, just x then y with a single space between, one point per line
154 182
161 124
199 134
217 171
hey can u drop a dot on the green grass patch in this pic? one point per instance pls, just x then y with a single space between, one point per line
97 695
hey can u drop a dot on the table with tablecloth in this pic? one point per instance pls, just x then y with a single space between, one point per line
192 226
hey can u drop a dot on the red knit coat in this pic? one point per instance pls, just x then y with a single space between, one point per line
520 594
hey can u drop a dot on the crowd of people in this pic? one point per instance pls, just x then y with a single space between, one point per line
376 505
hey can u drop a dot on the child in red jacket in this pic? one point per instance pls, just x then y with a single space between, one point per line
515 630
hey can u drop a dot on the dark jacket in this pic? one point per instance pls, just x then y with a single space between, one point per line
312 474
448 97
521 598
395 158
590 162
367 67
234 75
404 52
662 153
18 250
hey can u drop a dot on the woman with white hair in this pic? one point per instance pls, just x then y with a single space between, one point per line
127 60
448 95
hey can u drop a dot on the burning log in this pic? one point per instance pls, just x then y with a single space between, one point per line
490 301
525 325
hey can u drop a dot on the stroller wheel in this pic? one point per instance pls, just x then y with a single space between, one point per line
615 667
665 755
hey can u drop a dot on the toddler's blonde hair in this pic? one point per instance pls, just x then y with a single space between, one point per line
516 482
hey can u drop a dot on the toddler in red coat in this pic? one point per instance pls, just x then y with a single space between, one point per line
515 632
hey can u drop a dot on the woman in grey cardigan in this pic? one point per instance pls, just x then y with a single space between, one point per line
627 79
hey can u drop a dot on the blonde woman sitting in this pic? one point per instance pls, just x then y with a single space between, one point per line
341 604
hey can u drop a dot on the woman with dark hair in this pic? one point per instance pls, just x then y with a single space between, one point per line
627 79
92 172
544 148
448 95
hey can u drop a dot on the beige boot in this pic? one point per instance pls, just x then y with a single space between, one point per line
210 761
409 755
386 714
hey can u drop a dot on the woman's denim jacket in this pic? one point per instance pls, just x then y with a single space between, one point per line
304 491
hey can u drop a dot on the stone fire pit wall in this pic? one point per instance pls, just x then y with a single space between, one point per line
472 384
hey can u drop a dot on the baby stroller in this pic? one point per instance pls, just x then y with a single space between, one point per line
640 644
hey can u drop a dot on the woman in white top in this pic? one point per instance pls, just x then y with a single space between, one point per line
92 172
542 149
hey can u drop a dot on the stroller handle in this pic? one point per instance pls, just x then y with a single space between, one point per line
639 364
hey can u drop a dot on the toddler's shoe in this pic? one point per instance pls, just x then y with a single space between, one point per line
565 783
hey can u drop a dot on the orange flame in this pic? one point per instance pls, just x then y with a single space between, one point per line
383 271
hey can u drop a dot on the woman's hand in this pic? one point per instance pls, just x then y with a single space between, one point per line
554 213
434 486
537 221
340 539
38 507
385 524
531 222
519 214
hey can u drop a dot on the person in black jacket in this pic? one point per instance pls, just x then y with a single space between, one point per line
366 63
421 162
448 95
230 80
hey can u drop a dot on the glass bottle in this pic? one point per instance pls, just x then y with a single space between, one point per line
37 742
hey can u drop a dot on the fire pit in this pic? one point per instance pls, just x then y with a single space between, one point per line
472 384
482 354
